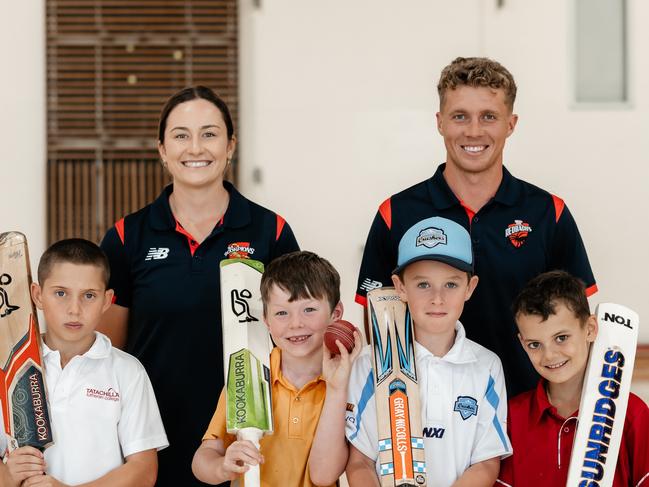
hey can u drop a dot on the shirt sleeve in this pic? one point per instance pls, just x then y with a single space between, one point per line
285 241
379 256
568 250
119 281
491 436
506 474
360 420
217 427
635 436
140 426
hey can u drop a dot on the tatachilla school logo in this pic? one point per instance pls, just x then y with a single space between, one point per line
239 250
109 394
517 232
431 237
466 406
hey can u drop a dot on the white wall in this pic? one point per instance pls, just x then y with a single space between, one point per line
338 102
338 109
22 122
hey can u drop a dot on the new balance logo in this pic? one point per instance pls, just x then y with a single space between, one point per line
369 284
157 253
433 432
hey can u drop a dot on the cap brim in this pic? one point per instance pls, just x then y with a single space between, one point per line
457 263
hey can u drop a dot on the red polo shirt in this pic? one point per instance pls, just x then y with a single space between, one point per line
542 442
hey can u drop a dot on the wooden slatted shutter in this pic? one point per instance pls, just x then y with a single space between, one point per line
111 64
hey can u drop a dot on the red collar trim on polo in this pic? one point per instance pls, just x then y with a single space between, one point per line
469 211
193 243
237 215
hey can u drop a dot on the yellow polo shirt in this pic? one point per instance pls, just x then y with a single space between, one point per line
295 415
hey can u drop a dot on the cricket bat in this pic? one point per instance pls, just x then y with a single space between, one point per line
604 398
246 355
23 401
398 412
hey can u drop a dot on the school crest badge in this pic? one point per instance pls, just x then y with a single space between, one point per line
466 406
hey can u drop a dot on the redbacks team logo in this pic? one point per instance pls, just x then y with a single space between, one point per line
239 250
517 232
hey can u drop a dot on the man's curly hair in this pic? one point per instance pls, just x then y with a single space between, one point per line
477 72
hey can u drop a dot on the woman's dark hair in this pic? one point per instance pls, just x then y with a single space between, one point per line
193 93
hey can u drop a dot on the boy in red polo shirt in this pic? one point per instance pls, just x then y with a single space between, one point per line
556 329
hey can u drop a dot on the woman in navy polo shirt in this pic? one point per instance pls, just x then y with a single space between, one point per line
165 270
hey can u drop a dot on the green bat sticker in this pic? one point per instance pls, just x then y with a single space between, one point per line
248 395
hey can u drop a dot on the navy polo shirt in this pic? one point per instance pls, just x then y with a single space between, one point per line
170 284
521 232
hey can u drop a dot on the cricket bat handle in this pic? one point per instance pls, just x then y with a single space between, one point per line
252 477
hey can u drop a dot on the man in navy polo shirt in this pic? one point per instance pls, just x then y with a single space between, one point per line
518 230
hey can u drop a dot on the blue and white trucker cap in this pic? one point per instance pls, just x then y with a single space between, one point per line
437 239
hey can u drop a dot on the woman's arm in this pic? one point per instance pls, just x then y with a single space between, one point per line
114 324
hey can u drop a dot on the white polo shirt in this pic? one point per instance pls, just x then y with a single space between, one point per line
102 408
463 408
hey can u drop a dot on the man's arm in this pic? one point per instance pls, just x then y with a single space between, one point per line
568 251
361 471
481 474
140 470
379 258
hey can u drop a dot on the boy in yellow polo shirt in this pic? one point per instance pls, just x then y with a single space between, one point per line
301 295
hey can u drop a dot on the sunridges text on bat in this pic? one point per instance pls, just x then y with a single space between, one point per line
604 398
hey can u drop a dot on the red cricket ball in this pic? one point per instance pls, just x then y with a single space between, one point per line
340 330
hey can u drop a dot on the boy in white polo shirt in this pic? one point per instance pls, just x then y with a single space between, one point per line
105 418
461 384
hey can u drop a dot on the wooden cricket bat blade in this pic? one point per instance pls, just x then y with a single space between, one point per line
23 397
604 398
402 460
246 351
